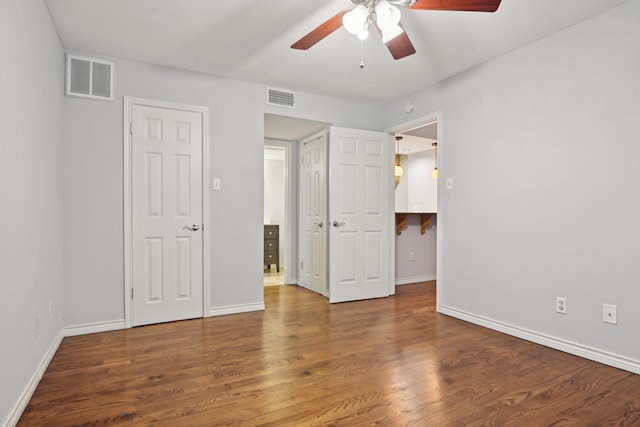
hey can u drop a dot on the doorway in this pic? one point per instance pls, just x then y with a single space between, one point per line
285 132
275 201
416 194
358 224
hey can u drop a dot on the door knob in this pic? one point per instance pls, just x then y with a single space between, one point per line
337 224
319 224
192 227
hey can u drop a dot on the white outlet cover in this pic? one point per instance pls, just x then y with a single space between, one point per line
610 314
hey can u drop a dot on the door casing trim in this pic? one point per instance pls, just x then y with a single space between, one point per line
128 103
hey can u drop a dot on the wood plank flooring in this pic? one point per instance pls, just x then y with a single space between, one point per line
304 362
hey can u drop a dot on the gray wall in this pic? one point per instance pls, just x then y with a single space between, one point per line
423 267
31 76
543 147
93 204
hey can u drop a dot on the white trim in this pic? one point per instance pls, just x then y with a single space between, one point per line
235 309
23 401
418 279
92 328
392 218
570 347
128 103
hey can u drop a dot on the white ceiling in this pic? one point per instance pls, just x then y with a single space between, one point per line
249 40
418 139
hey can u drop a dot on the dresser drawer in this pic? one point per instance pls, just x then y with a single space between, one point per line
270 232
272 245
270 256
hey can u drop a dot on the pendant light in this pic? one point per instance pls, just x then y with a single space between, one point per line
434 172
398 170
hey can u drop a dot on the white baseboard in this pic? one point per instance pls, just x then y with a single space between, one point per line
576 349
235 309
22 403
409 280
92 328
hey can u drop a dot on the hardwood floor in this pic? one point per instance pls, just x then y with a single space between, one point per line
304 362
273 277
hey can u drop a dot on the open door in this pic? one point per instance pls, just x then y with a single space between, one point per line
359 237
313 210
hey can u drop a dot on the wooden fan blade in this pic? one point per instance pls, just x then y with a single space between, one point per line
459 5
400 46
322 31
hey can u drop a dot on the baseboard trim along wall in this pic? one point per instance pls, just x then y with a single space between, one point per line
410 280
22 403
235 309
92 328
576 349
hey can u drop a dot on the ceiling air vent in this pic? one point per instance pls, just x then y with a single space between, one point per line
281 98
89 78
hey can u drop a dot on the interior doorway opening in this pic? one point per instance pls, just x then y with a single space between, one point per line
285 133
415 199
275 195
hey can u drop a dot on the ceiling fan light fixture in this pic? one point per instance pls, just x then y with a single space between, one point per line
388 20
386 14
362 35
356 21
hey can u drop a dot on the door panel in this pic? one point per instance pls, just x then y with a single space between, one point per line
166 190
359 239
313 214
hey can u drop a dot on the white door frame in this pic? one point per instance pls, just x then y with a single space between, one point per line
404 127
290 200
128 103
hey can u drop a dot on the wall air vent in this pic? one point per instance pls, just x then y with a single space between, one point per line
281 98
89 78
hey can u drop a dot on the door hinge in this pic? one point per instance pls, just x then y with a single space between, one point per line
131 293
131 128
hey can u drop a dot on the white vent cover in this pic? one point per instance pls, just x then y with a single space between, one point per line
89 78
281 98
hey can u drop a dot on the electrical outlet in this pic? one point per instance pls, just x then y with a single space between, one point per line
37 326
50 310
561 305
412 256
610 314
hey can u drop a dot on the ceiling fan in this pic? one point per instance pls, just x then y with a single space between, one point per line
386 18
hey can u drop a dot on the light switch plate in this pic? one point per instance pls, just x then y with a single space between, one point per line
449 184
216 185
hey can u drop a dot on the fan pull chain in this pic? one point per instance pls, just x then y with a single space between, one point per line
362 54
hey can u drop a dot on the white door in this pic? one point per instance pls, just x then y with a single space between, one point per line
359 237
166 214
313 235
